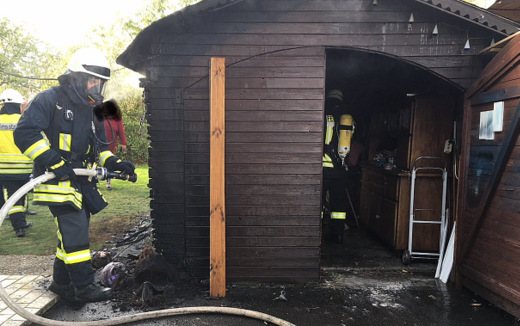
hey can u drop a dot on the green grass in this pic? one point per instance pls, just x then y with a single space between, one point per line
127 203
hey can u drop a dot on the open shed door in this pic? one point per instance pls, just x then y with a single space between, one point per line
488 223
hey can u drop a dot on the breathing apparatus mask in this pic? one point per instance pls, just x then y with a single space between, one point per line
95 90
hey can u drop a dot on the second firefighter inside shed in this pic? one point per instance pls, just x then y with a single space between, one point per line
339 128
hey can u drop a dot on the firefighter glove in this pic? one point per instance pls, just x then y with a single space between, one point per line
63 171
124 166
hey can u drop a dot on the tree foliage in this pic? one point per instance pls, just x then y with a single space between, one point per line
26 64
30 66
135 128
113 40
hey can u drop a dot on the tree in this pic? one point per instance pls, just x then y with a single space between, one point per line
113 40
25 62
30 66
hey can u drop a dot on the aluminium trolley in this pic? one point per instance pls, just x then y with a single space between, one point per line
437 169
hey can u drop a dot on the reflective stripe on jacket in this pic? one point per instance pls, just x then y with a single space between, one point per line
329 135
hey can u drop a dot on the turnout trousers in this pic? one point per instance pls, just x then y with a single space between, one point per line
336 188
72 265
17 212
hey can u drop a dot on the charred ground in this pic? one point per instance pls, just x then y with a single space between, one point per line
361 283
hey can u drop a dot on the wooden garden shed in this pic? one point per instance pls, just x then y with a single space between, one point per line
404 67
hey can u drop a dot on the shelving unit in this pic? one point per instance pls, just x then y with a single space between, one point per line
419 127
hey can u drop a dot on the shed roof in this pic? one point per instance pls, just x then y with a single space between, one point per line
475 14
134 56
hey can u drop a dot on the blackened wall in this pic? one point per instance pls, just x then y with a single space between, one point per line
275 56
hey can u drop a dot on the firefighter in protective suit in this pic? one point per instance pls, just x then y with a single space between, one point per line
339 128
63 129
15 168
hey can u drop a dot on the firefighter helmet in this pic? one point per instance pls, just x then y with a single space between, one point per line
11 96
89 61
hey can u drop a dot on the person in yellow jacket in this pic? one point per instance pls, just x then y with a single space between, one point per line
15 167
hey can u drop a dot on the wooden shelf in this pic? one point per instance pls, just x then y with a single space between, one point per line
385 194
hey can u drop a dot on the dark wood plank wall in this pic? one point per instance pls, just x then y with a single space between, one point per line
273 168
273 94
275 119
493 260
166 171
257 27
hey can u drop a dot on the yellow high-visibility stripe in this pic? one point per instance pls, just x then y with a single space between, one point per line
14 157
65 140
15 171
104 156
50 198
4 164
63 192
73 257
58 233
329 132
55 166
37 149
15 164
17 209
61 187
19 164
327 161
338 215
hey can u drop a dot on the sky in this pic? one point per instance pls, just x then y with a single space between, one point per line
63 23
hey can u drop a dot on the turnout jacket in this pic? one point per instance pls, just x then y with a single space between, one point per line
13 164
56 129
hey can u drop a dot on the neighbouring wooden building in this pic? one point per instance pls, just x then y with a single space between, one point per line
506 8
489 223
404 67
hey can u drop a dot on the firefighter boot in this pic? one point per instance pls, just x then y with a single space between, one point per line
20 232
66 293
92 293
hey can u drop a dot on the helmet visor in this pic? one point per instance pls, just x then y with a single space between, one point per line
96 89
98 70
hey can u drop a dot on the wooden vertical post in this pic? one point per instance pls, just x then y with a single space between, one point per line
217 87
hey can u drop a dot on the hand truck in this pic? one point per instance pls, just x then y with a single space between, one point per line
410 254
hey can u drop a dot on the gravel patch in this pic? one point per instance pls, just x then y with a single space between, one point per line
26 264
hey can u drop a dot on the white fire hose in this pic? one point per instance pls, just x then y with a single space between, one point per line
101 174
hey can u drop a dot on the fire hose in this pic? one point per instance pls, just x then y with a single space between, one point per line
102 174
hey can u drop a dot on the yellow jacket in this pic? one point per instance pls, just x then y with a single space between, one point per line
13 164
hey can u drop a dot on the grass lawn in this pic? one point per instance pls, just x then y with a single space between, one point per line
127 202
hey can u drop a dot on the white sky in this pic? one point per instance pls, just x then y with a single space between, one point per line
63 23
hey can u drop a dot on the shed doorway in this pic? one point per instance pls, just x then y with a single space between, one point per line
401 111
